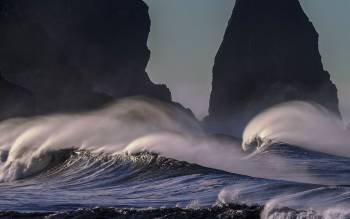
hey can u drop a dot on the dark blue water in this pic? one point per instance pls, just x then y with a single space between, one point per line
80 179
141 159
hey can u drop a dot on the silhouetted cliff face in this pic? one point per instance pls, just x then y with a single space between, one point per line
77 54
15 101
269 55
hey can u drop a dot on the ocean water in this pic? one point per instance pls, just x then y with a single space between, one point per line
140 158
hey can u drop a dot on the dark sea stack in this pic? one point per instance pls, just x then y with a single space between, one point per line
269 55
77 54
15 100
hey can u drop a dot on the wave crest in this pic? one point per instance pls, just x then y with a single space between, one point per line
302 124
143 125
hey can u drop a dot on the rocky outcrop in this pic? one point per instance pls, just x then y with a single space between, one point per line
15 100
216 212
76 55
269 55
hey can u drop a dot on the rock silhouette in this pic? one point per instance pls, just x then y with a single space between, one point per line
15 100
76 55
269 55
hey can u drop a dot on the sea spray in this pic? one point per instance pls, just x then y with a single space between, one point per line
109 130
143 153
129 126
303 124
287 200
319 203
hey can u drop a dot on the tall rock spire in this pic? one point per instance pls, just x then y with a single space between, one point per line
77 55
269 55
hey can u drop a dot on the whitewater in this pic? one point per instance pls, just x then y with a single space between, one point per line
293 161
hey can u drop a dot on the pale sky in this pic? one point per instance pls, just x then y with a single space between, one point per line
332 21
186 34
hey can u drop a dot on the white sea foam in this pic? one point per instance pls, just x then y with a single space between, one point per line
303 124
108 130
313 204
131 126
283 201
128 126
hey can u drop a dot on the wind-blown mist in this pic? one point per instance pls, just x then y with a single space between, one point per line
128 127
303 124
149 153
109 130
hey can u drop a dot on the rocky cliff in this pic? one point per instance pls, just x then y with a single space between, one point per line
15 100
76 54
269 55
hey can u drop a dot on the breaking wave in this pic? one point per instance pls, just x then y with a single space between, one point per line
143 153
127 127
306 125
